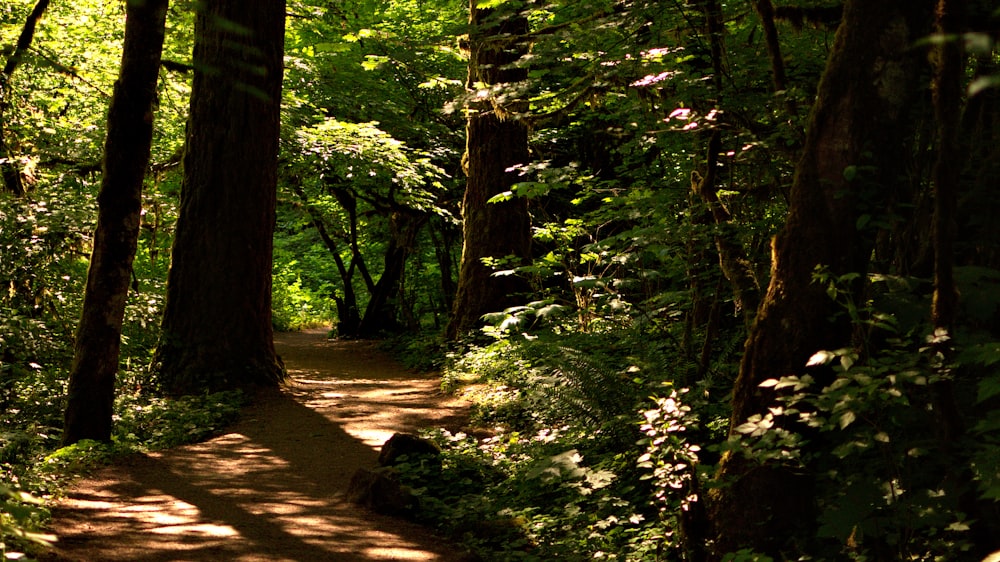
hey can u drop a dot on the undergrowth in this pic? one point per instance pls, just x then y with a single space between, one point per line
554 472
35 469
585 446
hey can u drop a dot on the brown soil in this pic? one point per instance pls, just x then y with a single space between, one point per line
272 487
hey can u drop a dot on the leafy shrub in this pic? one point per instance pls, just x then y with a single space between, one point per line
564 475
672 462
150 423
420 352
889 485
526 497
294 306
21 515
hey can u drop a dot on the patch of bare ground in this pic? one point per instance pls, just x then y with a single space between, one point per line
272 487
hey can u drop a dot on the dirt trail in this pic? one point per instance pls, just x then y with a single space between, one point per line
271 488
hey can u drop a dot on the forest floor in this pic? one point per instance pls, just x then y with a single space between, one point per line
271 488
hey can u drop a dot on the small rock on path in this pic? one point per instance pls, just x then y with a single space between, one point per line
271 488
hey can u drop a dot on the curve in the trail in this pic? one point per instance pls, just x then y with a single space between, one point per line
271 488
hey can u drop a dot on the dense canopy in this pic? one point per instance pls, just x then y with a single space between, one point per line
722 278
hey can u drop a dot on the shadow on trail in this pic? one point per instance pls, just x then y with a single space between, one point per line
272 488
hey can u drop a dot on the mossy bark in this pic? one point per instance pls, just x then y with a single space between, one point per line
496 141
857 136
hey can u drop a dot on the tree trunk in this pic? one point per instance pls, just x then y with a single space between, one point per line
217 330
858 134
733 262
381 314
496 141
126 157
445 260
9 170
949 82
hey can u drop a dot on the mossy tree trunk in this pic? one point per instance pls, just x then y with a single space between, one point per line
126 157
217 330
858 136
496 141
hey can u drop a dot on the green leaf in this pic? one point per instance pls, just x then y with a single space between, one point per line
985 354
988 388
821 357
983 83
331 47
501 197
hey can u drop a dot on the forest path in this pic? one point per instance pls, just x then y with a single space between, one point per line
271 488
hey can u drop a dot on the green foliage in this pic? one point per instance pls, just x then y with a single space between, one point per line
293 305
21 515
671 461
150 423
554 379
628 300
420 352
562 474
525 497
369 162
886 478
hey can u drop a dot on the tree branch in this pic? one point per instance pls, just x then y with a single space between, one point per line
24 40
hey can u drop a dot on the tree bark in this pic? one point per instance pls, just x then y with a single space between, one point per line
445 260
381 314
126 157
732 258
949 423
858 132
217 330
496 141
9 169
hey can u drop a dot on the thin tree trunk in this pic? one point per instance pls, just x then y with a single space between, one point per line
348 312
715 26
779 78
126 157
443 253
858 132
765 11
950 426
381 313
948 90
8 164
732 258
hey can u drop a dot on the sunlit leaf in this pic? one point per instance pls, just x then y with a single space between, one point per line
847 418
820 358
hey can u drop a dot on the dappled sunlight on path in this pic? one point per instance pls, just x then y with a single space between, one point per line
272 488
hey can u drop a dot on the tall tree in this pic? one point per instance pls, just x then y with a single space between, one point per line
859 125
496 141
126 158
217 321
947 178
